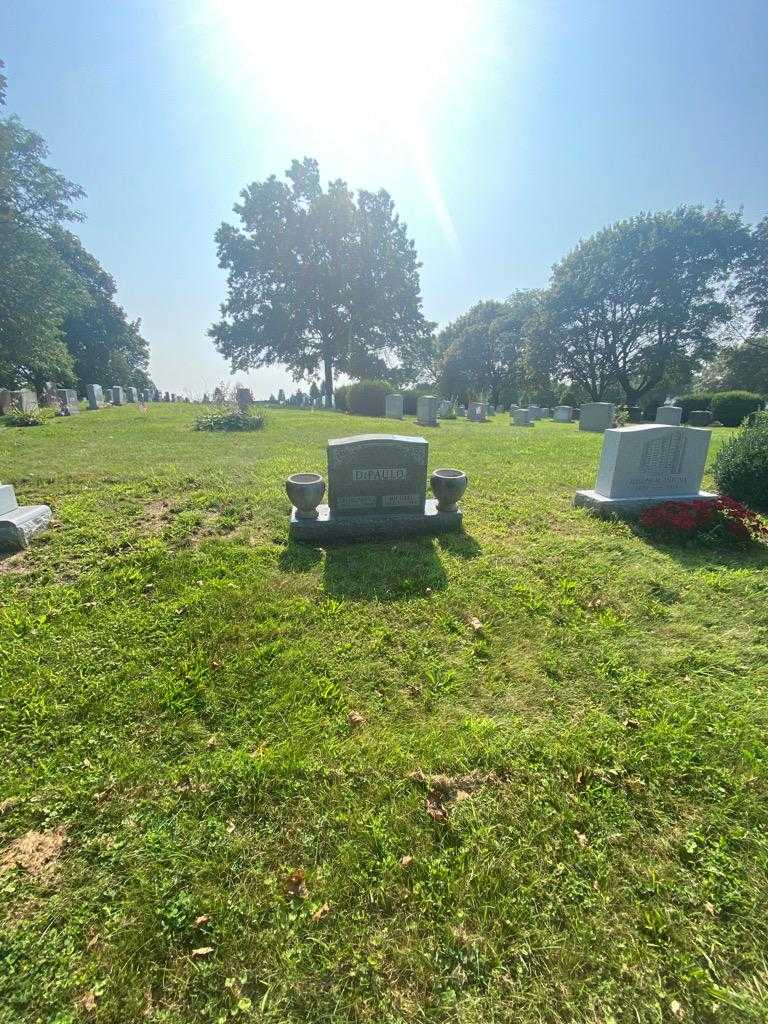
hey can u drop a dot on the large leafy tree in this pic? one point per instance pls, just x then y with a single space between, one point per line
483 350
741 367
642 296
319 281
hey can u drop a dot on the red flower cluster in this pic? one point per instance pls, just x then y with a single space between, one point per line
707 519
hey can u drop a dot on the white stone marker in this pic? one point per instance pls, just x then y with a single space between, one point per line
669 414
118 395
426 411
646 465
522 418
393 406
95 396
132 394
19 523
562 414
596 416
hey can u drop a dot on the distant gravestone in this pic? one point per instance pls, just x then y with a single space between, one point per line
444 409
700 418
672 415
50 397
23 400
634 414
132 394
490 411
461 411
95 396
244 399
166 397
377 486
19 523
562 414
645 465
476 412
522 418
596 417
68 404
426 410
118 395
393 406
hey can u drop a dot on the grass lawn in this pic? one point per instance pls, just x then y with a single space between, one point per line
553 806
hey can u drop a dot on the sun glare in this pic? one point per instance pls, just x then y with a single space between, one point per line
356 78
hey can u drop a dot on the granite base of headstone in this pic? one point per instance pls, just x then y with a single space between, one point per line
19 523
700 418
672 415
646 465
377 487
596 417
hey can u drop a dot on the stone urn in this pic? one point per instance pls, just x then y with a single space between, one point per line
448 485
306 491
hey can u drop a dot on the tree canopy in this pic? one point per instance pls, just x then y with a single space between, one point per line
319 281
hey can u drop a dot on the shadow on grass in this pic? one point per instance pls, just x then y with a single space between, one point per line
461 544
299 557
384 571
696 556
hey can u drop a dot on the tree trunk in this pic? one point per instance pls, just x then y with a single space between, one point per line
328 381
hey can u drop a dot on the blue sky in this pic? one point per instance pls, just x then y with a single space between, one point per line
504 131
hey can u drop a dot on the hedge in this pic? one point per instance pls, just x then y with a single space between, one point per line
367 397
741 465
731 408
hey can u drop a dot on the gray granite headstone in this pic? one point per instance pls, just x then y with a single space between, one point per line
426 410
68 404
118 395
95 396
244 399
596 417
377 473
562 414
393 406
646 465
476 412
19 523
23 400
700 418
672 415
522 418
132 394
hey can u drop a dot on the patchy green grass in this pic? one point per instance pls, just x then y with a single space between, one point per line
193 829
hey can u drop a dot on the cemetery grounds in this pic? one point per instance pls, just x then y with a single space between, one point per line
515 775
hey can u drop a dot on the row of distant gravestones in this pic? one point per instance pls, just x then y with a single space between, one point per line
592 416
65 400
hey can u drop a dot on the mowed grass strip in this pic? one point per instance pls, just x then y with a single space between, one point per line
515 775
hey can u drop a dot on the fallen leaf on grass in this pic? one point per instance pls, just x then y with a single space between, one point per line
677 1009
710 909
406 861
355 719
296 884
582 839
320 913
88 1002
202 919
436 809
212 741
202 951
8 803
631 723
476 624
231 827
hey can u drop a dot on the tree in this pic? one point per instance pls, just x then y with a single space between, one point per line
482 352
642 296
103 343
741 367
318 280
752 272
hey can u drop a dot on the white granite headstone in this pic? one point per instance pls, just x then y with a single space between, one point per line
596 416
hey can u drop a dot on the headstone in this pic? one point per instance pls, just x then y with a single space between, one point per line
461 411
19 523
131 394
562 414
68 404
490 410
166 397
596 417
444 409
669 414
50 396
23 400
426 411
535 412
634 414
700 418
522 418
95 396
244 399
393 406
646 465
476 412
118 395
377 487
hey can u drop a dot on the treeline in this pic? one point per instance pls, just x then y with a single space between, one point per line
646 308
58 317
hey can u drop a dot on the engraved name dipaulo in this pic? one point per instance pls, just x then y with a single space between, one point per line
379 474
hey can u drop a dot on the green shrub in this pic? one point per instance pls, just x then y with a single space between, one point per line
230 418
33 418
741 465
340 398
367 397
731 408
688 403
